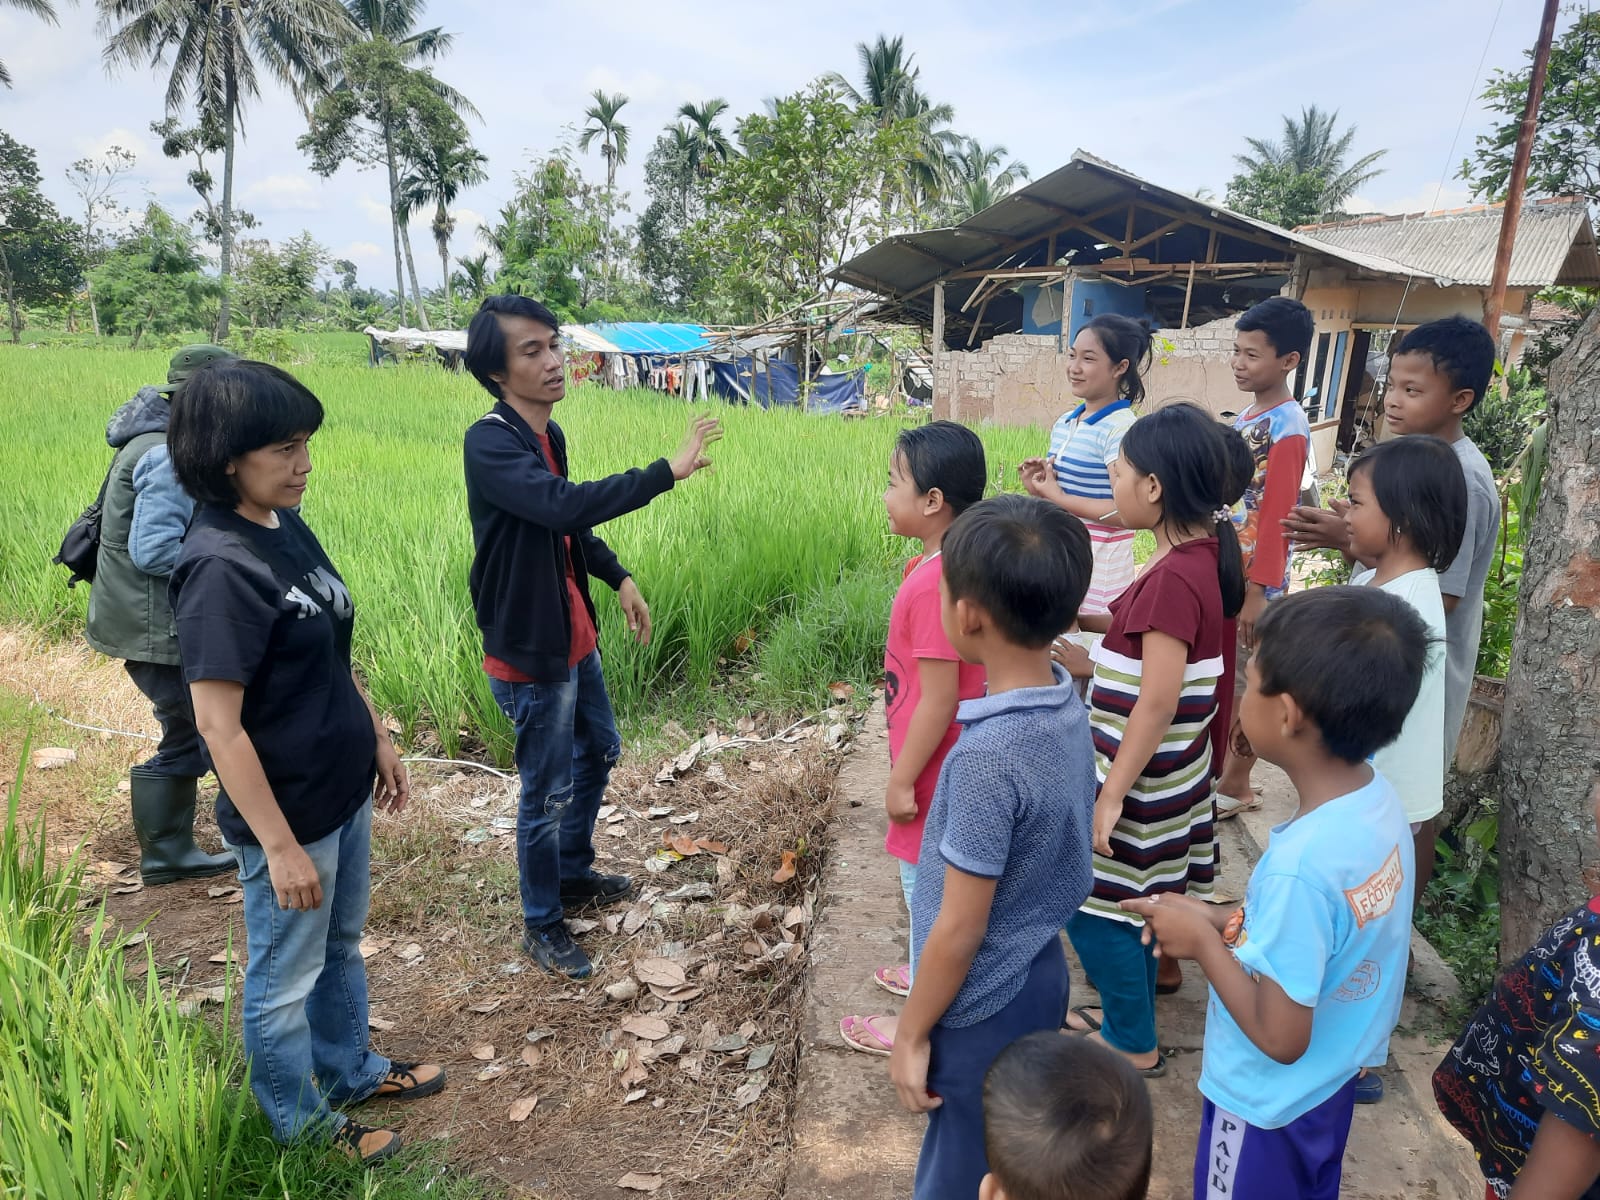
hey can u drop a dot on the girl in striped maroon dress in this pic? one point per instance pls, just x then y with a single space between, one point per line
1159 676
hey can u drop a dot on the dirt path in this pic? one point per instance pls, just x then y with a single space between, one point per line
686 1085
852 1139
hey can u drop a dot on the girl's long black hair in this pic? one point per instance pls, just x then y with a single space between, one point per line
1125 338
1204 468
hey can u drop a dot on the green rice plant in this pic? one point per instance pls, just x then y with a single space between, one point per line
792 507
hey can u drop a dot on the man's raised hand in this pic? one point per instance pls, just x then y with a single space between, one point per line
691 456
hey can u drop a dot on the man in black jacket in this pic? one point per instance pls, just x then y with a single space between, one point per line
535 551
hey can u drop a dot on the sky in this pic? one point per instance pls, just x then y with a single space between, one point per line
1168 89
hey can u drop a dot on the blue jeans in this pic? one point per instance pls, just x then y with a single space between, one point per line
305 986
567 743
1124 970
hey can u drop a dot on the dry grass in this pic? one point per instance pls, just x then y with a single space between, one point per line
448 977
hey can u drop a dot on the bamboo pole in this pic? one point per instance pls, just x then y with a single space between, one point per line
1519 173
1188 294
938 334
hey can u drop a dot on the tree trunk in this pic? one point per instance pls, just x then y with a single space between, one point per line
441 217
11 297
1550 739
411 270
394 217
94 314
225 266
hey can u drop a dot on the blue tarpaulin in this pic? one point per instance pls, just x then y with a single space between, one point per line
650 337
777 385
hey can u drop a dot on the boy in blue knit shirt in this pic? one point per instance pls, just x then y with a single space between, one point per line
1005 851
1307 977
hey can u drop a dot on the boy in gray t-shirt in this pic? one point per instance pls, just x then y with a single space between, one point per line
1006 849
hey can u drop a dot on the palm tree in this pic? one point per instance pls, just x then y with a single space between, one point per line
613 135
215 46
394 22
1309 147
39 8
473 275
889 93
978 179
706 142
447 169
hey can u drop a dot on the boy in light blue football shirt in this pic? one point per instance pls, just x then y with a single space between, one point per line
1307 978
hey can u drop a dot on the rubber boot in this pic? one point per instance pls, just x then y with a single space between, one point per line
163 817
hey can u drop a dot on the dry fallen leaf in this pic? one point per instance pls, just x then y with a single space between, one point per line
677 995
633 920
522 1109
623 989
217 893
785 872
411 951
841 691
651 1029
492 1071
711 847
136 939
48 758
379 1023
485 1006
636 1094
726 871
749 1093
760 1057
662 972
483 1052
756 766
531 1055
682 843
222 956
636 1182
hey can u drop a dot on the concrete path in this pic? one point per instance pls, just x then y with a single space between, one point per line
852 1140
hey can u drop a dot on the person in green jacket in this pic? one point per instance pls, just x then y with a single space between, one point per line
142 524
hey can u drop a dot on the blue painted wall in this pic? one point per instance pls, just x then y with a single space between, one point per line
1086 299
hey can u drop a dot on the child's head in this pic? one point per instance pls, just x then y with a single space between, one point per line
1108 356
1015 571
1408 492
1065 1119
1180 469
936 472
1339 666
1439 372
1269 341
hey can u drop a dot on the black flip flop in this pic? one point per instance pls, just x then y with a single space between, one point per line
1093 1026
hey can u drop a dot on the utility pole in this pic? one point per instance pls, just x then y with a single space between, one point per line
1518 183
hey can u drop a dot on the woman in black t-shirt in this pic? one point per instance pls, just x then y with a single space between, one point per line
264 625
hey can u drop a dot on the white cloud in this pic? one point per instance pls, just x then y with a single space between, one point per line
363 254
377 211
1428 198
280 193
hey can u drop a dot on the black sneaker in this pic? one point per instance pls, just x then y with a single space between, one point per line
365 1144
594 891
554 950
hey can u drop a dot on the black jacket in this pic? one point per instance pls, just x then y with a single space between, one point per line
522 512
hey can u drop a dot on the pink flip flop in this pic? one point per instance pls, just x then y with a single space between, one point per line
895 980
875 1042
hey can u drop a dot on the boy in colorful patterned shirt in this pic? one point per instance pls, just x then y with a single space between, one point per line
1522 1082
1270 341
1307 978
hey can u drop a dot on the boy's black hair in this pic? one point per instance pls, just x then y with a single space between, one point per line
1461 350
948 456
486 341
1124 338
1202 474
1287 323
1067 1119
1351 657
227 408
1024 560
1419 484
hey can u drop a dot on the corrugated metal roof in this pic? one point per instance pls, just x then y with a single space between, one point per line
1555 243
1015 233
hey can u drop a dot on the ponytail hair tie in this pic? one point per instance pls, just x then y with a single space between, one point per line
1221 515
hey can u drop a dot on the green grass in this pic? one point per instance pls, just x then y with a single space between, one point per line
108 1092
786 538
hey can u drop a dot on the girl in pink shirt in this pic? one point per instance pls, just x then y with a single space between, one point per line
935 473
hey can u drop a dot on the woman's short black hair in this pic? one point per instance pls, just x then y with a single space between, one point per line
1418 482
230 407
486 341
1067 1119
1024 560
948 456
1352 658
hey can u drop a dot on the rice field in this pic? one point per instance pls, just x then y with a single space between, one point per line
768 577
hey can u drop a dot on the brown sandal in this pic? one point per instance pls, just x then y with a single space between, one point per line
408 1081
